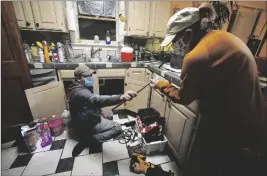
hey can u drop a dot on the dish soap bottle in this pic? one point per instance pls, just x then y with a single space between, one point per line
108 40
46 53
96 38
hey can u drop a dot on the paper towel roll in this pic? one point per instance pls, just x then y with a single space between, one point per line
71 19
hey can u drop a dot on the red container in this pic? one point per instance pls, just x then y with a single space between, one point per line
127 54
56 127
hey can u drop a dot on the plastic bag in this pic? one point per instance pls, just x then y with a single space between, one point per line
38 138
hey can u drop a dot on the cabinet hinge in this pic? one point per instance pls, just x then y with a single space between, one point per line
129 29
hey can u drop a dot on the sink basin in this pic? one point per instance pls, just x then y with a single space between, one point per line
78 60
94 59
83 60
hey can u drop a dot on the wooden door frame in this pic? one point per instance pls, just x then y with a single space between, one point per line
8 18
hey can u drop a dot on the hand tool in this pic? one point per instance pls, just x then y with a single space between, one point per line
136 92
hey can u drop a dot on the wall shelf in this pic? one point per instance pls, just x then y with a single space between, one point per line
96 18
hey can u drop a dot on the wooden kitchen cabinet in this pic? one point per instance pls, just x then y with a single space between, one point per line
138 18
139 102
158 102
142 75
41 15
138 74
175 125
48 14
180 130
147 19
47 100
24 14
159 16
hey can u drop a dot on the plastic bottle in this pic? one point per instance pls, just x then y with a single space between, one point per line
46 54
34 52
60 52
27 52
51 56
65 114
55 57
108 40
136 53
41 55
96 38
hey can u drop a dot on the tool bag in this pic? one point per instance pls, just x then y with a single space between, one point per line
148 115
150 124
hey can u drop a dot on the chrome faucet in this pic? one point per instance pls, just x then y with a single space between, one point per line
93 52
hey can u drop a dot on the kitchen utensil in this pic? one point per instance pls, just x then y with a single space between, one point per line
176 61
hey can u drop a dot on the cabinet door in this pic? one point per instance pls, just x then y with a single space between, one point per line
148 76
186 138
160 13
179 130
139 102
48 14
138 74
175 126
244 22
158 102
24 15
138 18
47 100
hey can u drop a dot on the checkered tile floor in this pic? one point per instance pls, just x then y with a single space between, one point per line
58 161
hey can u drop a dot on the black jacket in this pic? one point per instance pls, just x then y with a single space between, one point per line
85 107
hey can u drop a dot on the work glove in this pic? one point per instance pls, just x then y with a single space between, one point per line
159 84
128 96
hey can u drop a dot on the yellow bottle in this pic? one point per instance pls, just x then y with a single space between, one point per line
46 53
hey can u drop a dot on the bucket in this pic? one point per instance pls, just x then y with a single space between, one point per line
56 127
127 54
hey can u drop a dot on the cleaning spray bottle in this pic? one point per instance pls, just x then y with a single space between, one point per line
60 52
46 53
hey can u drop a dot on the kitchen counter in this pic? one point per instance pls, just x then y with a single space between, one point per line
152 66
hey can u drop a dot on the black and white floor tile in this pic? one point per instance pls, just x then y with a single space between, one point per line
58 161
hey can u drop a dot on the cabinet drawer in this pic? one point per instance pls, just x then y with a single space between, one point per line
136 74
66 74
184 110
110 73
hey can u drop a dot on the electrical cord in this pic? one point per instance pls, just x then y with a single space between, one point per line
127 136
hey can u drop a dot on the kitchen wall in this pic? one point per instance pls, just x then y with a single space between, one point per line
153 44
180 5
114 48
33 36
